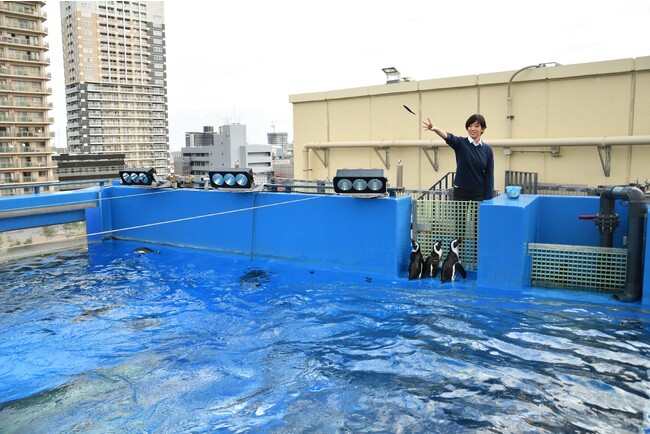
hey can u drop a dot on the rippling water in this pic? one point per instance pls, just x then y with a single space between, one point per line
192 341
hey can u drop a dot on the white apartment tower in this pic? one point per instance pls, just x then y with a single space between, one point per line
25 150
116 81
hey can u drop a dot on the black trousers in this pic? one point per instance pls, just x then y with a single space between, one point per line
465 194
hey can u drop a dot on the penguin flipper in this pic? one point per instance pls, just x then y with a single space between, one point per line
461 270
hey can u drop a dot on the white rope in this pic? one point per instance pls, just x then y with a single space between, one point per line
253 208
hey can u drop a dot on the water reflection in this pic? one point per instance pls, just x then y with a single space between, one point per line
194 341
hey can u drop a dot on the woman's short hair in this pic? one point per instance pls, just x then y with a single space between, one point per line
476 118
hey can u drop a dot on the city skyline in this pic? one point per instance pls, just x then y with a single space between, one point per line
244 59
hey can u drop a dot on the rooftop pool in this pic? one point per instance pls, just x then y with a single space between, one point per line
188 340
264 311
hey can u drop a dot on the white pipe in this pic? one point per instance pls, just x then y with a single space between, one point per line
495 143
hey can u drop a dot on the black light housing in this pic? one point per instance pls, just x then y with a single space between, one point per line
232 179
138 177
360 182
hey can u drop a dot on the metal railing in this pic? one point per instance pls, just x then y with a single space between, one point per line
45 186
526 180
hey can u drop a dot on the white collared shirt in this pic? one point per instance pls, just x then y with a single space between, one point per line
480 142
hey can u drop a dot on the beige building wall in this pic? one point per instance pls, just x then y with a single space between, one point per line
574 107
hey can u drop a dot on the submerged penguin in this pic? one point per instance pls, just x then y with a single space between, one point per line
144 250
452 263
432 263
416 266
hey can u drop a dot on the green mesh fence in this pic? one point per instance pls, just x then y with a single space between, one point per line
578 267
444 220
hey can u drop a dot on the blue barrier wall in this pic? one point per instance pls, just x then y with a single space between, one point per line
507 226
368 235
371 235
646 265
30 211
558 220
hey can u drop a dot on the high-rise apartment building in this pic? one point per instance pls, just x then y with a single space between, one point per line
116 84
25 150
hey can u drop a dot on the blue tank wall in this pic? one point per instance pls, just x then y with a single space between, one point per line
368 235
371 235
557 220
70 208
646 267
507 226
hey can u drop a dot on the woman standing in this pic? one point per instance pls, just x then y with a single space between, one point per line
474 178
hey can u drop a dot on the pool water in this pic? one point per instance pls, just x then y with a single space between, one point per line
193 341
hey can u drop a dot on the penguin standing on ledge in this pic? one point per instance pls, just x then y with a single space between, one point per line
416 266
432 263
452 263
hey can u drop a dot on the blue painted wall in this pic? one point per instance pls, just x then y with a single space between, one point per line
363 234
368 235
506 226
37 202
558 220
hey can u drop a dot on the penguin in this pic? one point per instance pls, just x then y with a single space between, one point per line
432 263
452 263
417 262
144 250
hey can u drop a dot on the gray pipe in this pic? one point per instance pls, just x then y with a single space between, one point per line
638 211
607 220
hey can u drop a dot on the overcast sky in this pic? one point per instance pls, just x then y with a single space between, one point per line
238 61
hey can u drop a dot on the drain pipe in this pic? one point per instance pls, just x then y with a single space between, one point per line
638 211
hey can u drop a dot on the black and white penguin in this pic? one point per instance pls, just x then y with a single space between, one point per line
432 263
417 262
452 263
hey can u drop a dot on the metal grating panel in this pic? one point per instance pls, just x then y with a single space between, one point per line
444 220
526 180
578 267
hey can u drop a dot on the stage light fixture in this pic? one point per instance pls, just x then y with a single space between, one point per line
360 182
138 177
232 179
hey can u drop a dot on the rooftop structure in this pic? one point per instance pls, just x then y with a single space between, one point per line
571 124
87 167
